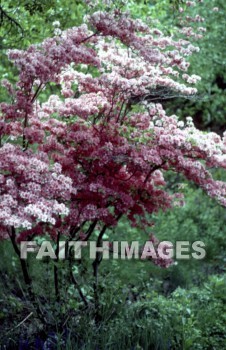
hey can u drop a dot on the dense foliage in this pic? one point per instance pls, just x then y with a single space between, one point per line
132 142
91 149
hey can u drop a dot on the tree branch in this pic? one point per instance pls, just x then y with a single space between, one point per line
23 264
3 14
56 277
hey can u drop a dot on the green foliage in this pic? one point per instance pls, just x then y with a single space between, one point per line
144 305
29 22
208 110
187 319
200 219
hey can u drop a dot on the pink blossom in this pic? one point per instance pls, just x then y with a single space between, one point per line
101 148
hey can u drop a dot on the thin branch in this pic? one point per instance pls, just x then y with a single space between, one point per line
88 37
19 324
56 277
76 284
89 231
36 93
26 276
96 264
3 14
23 264
150 172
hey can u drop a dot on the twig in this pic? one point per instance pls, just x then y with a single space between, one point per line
10 19
75 282
56 277
19 324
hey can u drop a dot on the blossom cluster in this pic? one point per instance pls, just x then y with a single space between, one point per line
100 149
30 189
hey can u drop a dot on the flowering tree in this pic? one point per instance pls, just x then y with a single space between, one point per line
99 149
